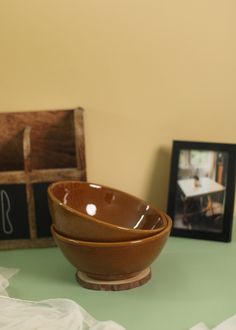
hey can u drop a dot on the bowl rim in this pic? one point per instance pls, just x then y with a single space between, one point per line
161 214
72 241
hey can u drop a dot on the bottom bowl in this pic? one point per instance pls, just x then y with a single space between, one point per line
115 260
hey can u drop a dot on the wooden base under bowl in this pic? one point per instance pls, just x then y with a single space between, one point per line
114 285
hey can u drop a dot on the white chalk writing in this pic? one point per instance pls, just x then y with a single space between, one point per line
5 210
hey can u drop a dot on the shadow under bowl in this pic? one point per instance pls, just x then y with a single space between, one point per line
115 260
92 212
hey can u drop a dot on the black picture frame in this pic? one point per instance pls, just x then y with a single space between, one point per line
202 190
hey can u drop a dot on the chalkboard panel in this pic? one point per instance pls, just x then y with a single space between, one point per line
13 212
43 218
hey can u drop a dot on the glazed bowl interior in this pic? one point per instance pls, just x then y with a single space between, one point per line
107 205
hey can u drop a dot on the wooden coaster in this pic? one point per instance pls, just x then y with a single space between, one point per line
117 285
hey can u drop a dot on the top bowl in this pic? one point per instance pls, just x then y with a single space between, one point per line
92 212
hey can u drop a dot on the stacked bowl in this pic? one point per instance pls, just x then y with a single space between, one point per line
106 234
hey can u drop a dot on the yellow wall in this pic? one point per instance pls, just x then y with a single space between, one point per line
146 71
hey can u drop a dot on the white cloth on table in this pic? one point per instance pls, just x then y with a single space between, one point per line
229 324
60 314
5 275
200 326
50 314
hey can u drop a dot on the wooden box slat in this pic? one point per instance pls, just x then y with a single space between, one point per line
42 175
27 243
38 148
52 139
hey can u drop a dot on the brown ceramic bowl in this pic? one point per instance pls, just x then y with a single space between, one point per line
115 260
91 212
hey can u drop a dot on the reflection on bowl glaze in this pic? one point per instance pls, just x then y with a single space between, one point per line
94 212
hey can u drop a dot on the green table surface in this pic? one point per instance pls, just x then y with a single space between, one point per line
192 281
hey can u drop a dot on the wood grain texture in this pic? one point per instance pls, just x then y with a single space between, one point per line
42 175
118 285
27 243
52 139
40 147
80 140
27 149
29 188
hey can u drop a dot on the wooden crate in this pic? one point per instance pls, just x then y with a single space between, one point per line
36 148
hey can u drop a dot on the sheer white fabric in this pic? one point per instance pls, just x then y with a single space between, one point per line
229 324
200 326
50 314
5 275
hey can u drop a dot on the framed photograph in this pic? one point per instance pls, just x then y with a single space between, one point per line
202 189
